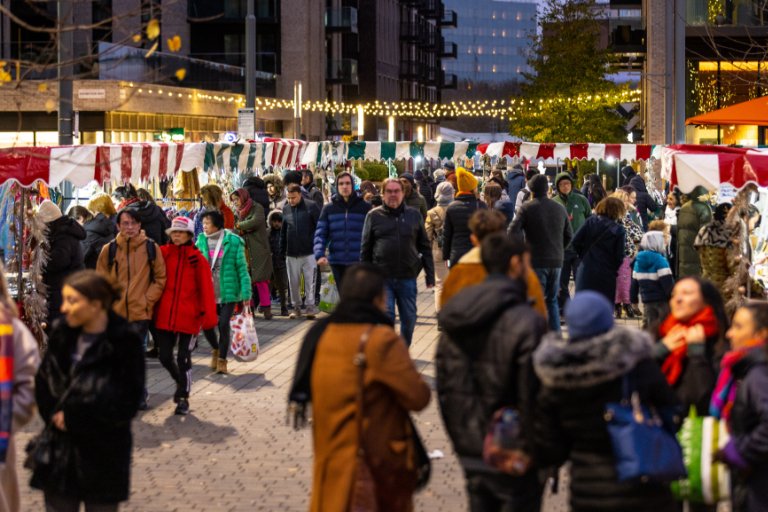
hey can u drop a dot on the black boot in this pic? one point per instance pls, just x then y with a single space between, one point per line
283 304
629 311
617 311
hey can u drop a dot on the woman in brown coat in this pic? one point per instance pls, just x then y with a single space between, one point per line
392 387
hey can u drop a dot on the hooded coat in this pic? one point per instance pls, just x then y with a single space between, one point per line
600 245
575 204
484 363
277 201
257 189
692 216
153 220
64 258
579 378
456 242
92 459
99 231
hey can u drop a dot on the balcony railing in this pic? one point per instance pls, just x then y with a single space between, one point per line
433 9
448 80
342 71
412 70
341 20
414 32
449 19
449 50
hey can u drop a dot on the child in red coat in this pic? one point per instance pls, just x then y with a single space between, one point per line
187 305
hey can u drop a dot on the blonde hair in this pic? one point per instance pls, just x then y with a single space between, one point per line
6 301
621 194
212 195
102 203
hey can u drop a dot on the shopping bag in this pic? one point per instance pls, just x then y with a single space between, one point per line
329 295
708 482
245 341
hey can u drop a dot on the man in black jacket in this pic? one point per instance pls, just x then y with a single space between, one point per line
395 240
548 232
296 242
484 364
456 242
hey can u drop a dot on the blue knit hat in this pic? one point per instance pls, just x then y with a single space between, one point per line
588 314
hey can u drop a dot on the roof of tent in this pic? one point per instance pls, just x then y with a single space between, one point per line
750 112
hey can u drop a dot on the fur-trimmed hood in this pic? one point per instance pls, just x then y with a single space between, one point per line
561 363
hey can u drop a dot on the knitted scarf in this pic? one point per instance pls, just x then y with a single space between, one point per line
726 387
673 364
6 381
246 203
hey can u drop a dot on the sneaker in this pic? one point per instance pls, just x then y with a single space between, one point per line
183 408
311 312
296 313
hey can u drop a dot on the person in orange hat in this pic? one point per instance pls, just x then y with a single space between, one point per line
456 231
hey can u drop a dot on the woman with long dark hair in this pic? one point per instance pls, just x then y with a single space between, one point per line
88 388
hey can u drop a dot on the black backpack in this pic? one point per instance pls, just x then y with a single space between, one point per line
151 255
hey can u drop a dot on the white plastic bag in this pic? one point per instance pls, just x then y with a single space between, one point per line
245 341
329 295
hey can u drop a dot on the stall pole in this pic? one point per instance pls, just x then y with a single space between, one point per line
65 35
250 55
20 247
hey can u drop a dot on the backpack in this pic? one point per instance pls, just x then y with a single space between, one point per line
151 255
439 232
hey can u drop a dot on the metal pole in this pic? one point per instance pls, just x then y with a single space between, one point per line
680 67
250 55
669 70
65 69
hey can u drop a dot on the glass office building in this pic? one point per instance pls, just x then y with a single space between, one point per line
493 38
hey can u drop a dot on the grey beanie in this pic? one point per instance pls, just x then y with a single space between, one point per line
444 193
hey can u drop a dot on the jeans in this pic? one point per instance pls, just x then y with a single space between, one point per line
571 263
402 292
225 312
64 503
550 283
302 266
489 492
180 368
338 274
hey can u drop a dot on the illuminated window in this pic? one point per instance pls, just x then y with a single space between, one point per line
479 50
503 33
493 51
519 16
493 68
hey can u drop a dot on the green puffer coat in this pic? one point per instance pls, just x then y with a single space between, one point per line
234 281
253 229
692 216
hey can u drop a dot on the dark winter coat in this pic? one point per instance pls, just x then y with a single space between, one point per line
99 231
396 241
692 216
697 381
645 204
340 230
153 220
507 207
456 231
484 362
547 230
417 202
578 379
651 278
600 245
278 254
515 183
253 230
92 459
749 431
64 258
427 192
257 189
299 225
314 194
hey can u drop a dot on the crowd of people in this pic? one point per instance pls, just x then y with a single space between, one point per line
500 255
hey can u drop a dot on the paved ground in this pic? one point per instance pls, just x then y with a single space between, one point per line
235 452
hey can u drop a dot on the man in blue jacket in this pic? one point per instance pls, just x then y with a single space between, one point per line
340 228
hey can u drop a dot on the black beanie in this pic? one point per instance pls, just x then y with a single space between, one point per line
539 185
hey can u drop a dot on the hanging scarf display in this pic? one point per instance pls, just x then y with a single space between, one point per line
726 387
673 364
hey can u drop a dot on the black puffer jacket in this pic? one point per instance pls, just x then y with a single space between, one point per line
64 258
153 220
456 227
749 431
484 361
578 380
299 224
396 241
92 459
99 231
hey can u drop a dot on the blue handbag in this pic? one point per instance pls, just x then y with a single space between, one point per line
644 449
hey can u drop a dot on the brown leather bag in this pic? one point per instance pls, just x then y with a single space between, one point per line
363 498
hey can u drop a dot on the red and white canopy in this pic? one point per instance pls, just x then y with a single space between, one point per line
688 166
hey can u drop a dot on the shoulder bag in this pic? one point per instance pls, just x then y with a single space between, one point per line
363 498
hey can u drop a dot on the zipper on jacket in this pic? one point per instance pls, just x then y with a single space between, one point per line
176 292
346 228
128 266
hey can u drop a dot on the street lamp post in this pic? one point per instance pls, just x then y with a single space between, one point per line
250 55
65 69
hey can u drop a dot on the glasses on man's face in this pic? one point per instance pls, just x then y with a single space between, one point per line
393 191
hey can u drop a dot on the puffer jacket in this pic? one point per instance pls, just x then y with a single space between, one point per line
579 378
484 362
456 231
234 279
92 458
749 431
188 302
516 183
395 240
65 257
299 225
253 230
692 216
652 278
340 229
99 231
153 221
131 270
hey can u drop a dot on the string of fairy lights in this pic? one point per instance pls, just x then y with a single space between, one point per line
501 109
